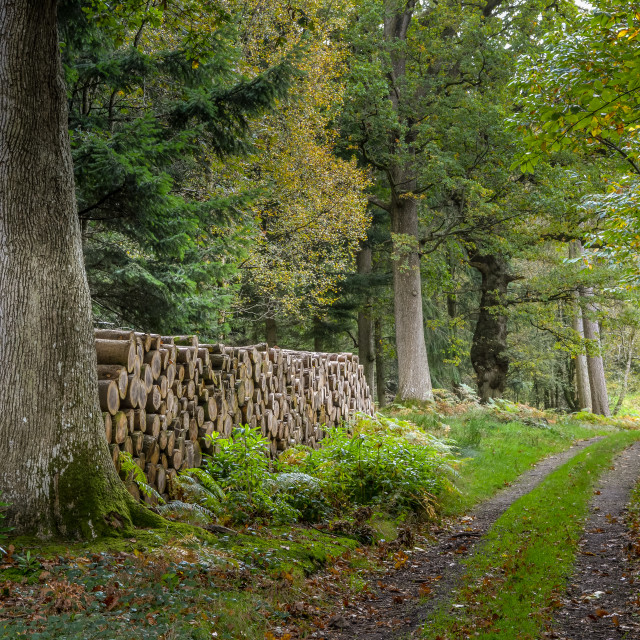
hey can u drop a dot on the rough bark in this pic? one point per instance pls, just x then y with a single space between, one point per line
625 377
489 347
380 380
414 379
365 321
56 473
582 372
595 364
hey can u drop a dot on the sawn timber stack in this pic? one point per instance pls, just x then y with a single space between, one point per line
162 395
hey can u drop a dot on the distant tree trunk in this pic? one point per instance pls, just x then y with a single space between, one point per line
365 322
317 335
414 381
489 346
582 372
380 380
625 378
568 386
595 364
271 331
56 470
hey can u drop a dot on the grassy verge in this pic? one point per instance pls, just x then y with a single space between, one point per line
512 581
497 451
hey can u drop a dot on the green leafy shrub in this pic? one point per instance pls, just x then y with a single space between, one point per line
380 461
236 484
377 460
304 493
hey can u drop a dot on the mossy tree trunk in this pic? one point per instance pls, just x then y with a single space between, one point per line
56 471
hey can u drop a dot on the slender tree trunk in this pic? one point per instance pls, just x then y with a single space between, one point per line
365 321
595 364
489 347
380 380
271 331
56 470
582 371
625 378
413 366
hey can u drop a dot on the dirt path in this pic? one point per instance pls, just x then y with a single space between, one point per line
605 589
393 609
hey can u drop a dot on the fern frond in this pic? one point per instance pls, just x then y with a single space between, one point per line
189 489
187 512
137 475
207 482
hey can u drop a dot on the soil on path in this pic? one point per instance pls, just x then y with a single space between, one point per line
604 593
396 607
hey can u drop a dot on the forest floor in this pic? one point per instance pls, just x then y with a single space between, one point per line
497 563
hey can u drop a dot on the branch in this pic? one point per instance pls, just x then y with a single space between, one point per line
617 149
82 214
386 206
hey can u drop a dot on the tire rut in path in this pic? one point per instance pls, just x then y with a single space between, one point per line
598 604
396 610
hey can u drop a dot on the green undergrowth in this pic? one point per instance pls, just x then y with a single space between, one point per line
497 449
374 462
308 530
162 585
514 579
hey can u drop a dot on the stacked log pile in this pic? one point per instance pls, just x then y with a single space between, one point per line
161 396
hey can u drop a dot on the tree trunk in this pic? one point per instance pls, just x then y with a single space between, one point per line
57 472
595 364
318 334
582 371
365 322
413 366
489 347
380 380
271 331
625 378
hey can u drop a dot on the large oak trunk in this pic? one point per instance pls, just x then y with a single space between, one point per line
56 471
413 366
489 347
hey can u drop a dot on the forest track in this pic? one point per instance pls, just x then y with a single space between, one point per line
602 602
395 606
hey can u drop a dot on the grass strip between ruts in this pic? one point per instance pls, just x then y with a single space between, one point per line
514 578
